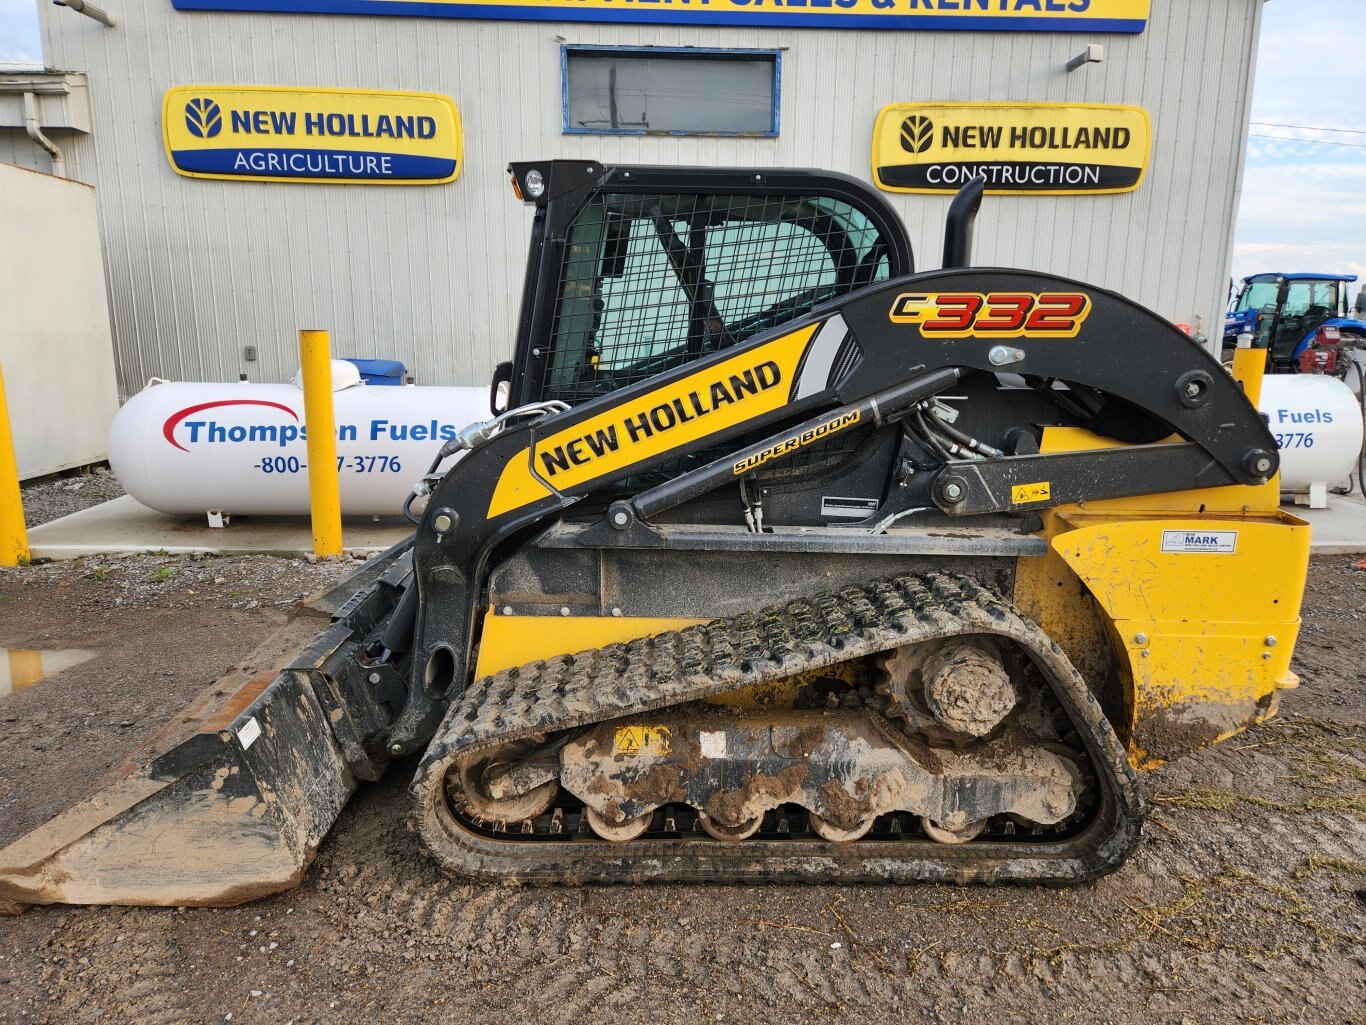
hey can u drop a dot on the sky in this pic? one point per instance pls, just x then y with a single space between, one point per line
1304 193
19 41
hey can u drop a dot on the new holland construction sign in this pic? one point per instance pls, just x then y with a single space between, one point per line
1019 147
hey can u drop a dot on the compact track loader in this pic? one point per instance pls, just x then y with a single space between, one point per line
777 561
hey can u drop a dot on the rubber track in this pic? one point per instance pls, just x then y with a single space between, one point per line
729 654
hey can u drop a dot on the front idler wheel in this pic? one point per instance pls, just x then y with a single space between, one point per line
470 791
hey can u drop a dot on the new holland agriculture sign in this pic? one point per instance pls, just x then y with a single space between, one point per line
262 133
1058 149
953 15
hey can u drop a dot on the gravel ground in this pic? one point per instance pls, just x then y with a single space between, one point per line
1246 902
165 627
60 496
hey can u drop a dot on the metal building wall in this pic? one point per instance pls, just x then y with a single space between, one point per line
429 274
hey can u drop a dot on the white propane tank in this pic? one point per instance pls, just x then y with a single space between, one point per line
241 449
1318 426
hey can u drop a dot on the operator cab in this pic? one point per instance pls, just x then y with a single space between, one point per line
1283 311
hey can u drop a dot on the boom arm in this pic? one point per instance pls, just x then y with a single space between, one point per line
835 370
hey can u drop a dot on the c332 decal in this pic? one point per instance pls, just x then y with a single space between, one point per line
993 315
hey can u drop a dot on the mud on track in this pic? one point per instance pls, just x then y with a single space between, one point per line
1246 902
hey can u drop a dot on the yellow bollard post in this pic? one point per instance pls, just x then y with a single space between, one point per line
324 492
1249 367
13 535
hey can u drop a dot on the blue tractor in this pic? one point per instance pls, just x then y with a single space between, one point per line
1300 319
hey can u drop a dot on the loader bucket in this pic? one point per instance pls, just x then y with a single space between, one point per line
229 801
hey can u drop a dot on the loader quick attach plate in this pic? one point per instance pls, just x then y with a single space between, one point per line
672 669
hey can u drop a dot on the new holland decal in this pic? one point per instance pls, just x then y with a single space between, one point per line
260 133
1120 16
665 419
1056 149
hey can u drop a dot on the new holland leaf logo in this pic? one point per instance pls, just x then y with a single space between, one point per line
203 118
917 133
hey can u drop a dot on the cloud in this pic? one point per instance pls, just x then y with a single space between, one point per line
1301 212
1304 202
19 39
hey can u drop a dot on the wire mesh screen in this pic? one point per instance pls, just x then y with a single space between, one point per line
654 281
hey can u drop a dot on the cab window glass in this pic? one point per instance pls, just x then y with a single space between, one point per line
654 281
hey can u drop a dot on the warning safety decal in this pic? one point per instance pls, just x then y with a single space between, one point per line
1050 149
642 740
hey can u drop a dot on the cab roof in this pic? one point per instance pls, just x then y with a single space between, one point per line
1301 277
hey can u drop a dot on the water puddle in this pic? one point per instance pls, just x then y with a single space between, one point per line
23 667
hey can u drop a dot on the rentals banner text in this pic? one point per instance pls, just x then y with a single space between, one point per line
1120 16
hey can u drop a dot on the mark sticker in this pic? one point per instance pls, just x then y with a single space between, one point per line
833 508
712 743
247 735
1027 494
1207 542
642 740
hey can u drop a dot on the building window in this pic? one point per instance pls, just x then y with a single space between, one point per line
654 90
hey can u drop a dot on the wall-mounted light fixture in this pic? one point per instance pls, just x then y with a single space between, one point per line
1093 54
89 10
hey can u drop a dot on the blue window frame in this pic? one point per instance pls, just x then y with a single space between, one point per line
662 90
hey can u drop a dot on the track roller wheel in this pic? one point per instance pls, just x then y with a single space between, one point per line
472 794
720 831
952 835
838 834
617 832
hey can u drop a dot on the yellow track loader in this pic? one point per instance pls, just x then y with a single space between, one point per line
775 561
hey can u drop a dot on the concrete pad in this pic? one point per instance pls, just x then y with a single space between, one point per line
1338 530
126 525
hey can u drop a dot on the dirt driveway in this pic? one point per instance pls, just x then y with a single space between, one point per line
1245 903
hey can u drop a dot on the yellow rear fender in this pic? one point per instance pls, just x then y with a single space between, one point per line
1194 614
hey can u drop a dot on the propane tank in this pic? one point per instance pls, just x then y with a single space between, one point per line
241 449
1318 425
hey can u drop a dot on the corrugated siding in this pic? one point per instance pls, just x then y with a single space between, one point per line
430 274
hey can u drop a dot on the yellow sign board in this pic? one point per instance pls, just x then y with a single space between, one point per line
1049 149
1116 16
279 134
